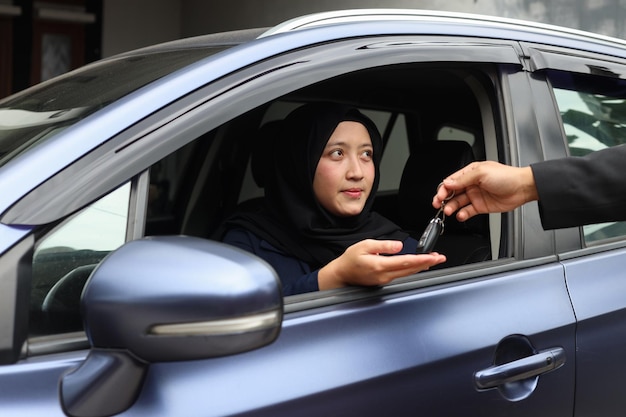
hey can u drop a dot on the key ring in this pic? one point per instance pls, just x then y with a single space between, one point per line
448 198
443 205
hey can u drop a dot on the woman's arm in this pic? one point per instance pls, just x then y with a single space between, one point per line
362 264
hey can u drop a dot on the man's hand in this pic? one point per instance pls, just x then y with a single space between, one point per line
486 187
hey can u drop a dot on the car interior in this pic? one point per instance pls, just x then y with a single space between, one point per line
433 120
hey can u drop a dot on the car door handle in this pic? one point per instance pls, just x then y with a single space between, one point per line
544 361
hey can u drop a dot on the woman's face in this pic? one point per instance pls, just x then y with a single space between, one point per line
345 173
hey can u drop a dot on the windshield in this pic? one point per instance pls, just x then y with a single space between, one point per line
31 117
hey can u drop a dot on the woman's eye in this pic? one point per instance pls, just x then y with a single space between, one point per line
367 155
337 153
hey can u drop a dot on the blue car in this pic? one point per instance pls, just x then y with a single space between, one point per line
117 296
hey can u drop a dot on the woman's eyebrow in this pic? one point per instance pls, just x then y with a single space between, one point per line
342 143
335 143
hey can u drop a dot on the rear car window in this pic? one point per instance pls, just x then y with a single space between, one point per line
593 112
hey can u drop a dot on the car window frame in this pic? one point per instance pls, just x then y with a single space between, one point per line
569 242
571 60
135 223
155 137
287 70
586 229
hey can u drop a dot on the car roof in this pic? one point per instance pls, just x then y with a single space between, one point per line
256 45
453 23
420 15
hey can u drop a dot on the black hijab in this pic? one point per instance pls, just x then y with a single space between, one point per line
292 219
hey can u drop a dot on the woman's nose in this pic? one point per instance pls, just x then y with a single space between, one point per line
355 170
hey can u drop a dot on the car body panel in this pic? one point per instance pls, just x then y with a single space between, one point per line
416 364
596 284
414 346
41 375
433 361
10 235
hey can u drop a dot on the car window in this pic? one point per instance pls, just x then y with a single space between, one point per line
456 133
195 189
593 112
396 153
393 160
65 257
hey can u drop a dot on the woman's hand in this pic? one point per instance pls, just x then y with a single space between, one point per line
362 264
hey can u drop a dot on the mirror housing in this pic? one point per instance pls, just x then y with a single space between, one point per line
167 298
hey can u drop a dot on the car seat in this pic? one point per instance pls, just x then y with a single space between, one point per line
426 167
261 150
260 161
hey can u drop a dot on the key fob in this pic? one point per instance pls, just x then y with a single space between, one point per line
427 241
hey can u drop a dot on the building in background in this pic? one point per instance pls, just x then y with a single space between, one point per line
41 39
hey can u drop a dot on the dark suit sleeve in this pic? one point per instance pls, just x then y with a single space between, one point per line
576 191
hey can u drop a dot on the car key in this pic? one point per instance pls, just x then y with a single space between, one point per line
427 241
433 230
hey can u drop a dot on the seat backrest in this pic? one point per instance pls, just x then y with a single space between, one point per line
260 163
461 242
261 150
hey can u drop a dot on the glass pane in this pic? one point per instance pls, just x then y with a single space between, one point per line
395 156
456 133
65 258
29 118
593 121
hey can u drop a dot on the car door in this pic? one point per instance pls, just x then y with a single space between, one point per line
489 338
588 90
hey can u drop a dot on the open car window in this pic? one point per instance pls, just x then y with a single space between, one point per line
193 190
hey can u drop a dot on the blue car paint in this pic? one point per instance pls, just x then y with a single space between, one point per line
40 375
10 235
371 349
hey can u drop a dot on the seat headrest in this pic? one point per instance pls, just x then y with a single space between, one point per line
261 149
424 170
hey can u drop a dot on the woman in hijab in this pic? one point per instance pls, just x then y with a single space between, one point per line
316 228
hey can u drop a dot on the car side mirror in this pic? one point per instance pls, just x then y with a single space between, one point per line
167 298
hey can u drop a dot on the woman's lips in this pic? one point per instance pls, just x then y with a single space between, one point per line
353 192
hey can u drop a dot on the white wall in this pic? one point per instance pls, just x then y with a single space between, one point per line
133 24
200 16
607 17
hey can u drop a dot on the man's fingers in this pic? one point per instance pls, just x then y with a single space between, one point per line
457 183
455 203
459 202
464 177
442 193
466 213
